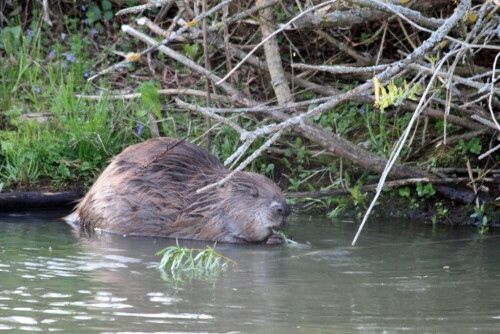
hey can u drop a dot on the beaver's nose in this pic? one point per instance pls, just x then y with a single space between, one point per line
281 208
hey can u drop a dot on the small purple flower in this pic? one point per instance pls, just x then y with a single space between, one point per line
362 111
86 74
139 129
37 90
64 65
70 58
86 21
52 54
63 36
30 32
94 31
84 8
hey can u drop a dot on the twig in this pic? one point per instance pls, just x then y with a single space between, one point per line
403 12
371 187
141 8
458 170
236 156
471 177
162 154
465 136
251 158
171 91
489 152
207 113
341 69
208 100
491 92
484 121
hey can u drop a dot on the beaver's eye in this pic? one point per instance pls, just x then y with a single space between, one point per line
254 192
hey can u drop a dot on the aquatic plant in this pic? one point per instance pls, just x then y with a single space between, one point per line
205 261
287 238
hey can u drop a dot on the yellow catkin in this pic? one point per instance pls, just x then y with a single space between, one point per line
192 23
134 57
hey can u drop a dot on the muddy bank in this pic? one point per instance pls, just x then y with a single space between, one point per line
429 211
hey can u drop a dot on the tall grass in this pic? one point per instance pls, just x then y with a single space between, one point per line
80 136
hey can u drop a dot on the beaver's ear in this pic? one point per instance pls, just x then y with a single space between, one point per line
254 191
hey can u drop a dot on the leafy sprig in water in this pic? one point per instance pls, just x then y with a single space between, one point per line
204 261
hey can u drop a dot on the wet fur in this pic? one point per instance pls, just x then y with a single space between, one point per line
150 189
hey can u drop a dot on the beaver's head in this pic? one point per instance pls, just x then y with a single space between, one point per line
253 206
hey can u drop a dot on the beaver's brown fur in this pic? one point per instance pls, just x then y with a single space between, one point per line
150 190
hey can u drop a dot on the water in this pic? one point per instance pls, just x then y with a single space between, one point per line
402 277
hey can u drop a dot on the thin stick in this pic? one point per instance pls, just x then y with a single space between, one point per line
491 92
208 68
471 177
252 157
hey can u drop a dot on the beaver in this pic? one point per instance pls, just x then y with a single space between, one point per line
150 190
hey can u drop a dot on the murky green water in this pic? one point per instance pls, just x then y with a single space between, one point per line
403 277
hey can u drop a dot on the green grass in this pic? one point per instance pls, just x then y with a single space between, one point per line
81 135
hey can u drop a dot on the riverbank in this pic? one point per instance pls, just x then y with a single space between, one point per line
429 211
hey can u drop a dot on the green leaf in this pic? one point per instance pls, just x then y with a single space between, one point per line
108 15
191 50
404 192
485 220
475 145
141 113
150 96
106 5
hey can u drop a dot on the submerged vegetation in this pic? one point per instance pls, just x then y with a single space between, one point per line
58 130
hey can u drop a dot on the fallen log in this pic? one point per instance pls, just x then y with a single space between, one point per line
38 200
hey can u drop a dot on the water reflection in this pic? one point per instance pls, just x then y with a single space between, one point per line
401 277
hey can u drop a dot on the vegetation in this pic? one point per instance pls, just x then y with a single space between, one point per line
357 88
185 262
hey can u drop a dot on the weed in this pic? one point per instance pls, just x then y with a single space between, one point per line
426 191
200 261
404 192
481 219
286 238
472 146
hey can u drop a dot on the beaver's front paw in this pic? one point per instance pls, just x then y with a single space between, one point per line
275 239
